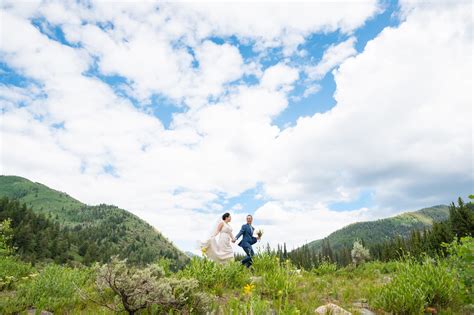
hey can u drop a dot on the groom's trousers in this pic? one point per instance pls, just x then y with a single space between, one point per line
247 261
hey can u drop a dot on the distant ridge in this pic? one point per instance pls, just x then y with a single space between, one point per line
384 229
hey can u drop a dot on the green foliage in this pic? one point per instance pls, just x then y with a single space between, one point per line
6 236
326 267
54 288
45 200
249 305
461 258
272 286
13 271
35 237
214 276
416 285
461 218
278 279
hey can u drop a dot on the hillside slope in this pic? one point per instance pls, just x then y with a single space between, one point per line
384 229
108 229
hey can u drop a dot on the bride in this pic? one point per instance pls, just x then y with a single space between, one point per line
220 250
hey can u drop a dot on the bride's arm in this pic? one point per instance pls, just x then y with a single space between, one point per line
219 228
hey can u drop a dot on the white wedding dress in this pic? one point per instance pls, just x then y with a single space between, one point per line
218 247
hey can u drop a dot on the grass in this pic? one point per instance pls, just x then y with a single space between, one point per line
405 287
272 286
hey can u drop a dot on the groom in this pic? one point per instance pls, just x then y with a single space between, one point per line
247 241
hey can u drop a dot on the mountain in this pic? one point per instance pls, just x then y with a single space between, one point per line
384 229
102 230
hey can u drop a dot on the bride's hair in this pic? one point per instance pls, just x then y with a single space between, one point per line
225 215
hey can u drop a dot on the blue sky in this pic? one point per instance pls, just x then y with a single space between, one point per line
170 111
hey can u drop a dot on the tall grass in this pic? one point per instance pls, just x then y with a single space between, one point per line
416 285
216 277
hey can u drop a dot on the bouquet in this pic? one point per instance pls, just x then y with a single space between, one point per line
259 233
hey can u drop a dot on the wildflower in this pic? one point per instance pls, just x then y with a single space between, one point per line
248 288
280 292
203 250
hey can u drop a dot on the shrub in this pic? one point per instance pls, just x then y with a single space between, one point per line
359 254
130 289
461 258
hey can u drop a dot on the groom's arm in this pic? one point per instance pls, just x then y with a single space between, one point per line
241 232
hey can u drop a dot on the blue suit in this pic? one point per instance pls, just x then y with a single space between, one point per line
246 243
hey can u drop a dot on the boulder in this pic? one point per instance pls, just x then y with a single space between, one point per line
332 309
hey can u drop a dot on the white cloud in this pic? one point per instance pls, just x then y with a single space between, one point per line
333 56
279 77
401 124
272 23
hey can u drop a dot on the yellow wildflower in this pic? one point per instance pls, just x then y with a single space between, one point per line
203 250
248 288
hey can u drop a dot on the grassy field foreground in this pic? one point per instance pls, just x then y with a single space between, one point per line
409 286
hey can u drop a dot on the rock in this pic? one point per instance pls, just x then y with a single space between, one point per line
360 304
386 279
365 311
362 307
33 312
256 279
332 309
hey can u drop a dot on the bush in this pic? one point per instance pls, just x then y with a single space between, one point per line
359 254
461 258
416 285
131 289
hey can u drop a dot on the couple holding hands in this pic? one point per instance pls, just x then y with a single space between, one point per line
220 249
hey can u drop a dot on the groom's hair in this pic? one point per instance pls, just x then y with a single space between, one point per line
249 215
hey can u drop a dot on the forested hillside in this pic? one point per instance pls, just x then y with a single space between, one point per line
84 233
372 232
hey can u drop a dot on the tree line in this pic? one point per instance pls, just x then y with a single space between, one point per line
39 238
420 242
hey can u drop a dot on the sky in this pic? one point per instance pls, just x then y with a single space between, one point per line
309 115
